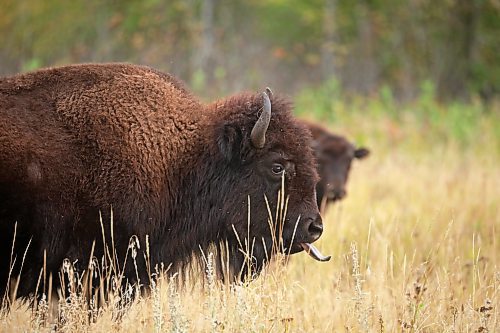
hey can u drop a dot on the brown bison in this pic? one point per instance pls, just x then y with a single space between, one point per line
334 155
84 140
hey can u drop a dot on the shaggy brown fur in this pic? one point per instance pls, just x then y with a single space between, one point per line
84 139
334 155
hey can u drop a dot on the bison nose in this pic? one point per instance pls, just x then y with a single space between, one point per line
338 193
314 228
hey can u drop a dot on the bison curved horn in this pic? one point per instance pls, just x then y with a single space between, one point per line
269 92
258 135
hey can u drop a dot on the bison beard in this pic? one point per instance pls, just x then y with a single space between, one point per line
84 140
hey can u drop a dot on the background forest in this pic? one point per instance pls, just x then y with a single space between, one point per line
223 46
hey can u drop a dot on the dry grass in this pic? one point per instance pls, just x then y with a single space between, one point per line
415 248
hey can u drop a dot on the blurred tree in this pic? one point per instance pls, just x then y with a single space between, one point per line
229 45
206 52
328 48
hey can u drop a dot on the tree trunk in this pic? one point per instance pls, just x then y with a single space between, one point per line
328 46
462 30
206 55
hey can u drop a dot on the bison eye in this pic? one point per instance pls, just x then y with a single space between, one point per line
278 169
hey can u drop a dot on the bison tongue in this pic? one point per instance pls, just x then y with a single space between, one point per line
314 252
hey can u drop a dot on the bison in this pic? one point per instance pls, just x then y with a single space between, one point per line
334 155
132 142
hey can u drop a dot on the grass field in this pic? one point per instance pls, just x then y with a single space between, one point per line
415 248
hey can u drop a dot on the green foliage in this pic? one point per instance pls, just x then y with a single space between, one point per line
380 46
31 64
198 81
290 22
425 123
320 102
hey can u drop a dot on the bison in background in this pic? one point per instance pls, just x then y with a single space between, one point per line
84 140
334 155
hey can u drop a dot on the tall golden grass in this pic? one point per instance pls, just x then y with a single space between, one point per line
415 248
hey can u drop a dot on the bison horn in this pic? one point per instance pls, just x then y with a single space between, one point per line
258 135
269 92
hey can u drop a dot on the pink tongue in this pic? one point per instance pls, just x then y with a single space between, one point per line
314 252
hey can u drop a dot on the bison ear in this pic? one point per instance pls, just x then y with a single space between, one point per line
361 153
229 142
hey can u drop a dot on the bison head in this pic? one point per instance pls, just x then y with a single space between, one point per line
266 151
334 156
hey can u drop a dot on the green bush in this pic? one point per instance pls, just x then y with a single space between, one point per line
420 124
